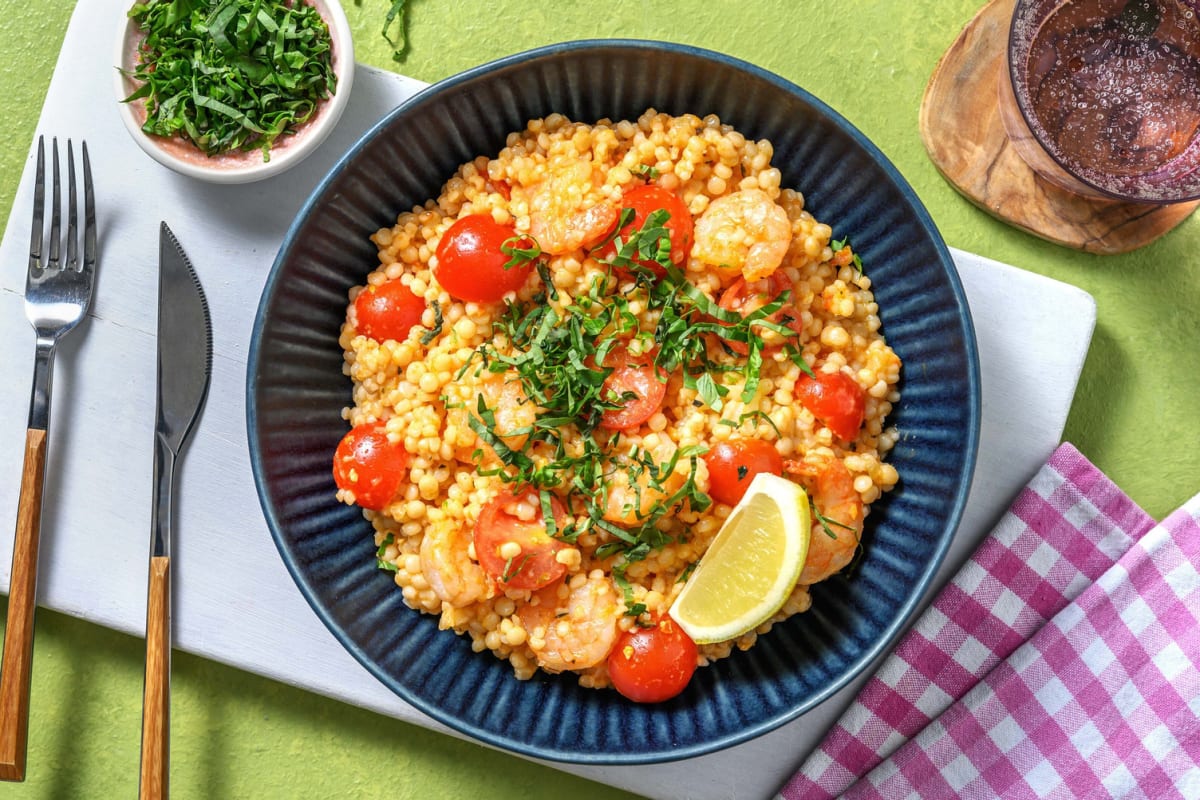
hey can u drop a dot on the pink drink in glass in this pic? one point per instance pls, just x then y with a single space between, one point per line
1108 94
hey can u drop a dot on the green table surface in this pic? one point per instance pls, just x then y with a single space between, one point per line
236 735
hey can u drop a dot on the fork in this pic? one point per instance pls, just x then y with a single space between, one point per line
58 294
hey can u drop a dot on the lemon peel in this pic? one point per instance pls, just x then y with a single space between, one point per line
751 566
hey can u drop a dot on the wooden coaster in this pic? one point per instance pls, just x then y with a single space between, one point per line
965 137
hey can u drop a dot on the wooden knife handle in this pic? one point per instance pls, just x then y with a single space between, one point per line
156 703
17 663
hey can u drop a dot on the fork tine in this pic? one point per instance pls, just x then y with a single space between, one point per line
39 208
55 210
89 215
72 216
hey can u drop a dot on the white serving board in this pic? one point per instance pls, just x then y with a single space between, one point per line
235 602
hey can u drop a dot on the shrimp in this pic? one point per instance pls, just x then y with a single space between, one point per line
837 515
745 231
578 632
447 565
563 215
514 414
630 497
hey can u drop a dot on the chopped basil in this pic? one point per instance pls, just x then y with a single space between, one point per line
431 334
381 551
231 75
513 567
827 523
838 245
553 349
709 392
517 254
632 609
396 14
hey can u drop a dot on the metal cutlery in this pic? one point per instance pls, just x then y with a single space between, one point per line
58 294
184 370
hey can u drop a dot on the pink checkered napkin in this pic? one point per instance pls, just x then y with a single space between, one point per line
1104 701
1065 529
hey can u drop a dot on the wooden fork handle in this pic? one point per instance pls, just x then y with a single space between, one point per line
17 662
156 703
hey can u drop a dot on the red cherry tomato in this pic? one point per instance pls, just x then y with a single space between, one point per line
650 665
834 398
638 387
744 298
369 465
733 464
534 563
501 188
471 264
645 200
388 311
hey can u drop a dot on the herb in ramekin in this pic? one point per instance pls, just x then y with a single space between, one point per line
231 75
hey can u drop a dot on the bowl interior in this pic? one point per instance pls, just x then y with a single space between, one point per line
296 390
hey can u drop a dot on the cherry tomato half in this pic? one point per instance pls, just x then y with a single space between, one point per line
645 200
369 465
836 399
471 264
733 464
533 563
637 386
388 311
650 665
744 298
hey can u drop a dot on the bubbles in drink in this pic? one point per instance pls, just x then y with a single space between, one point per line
1115 89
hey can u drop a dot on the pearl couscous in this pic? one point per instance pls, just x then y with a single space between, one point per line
568 365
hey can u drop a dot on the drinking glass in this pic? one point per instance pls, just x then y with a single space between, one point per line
1102 97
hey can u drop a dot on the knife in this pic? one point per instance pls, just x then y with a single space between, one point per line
184 370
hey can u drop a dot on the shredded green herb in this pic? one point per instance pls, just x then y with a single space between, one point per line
520 250
231 75
838 245
827 523
397 18
632 608
513 567
557 352
431 334
381 551
397 15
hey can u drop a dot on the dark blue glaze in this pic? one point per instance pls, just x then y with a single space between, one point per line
295 391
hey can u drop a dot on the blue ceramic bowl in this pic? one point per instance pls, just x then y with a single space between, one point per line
296 390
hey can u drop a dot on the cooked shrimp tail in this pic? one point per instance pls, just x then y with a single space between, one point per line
837 515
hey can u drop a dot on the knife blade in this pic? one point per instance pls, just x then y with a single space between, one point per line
184 373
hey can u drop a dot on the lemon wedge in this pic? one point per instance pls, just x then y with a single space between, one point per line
751 566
